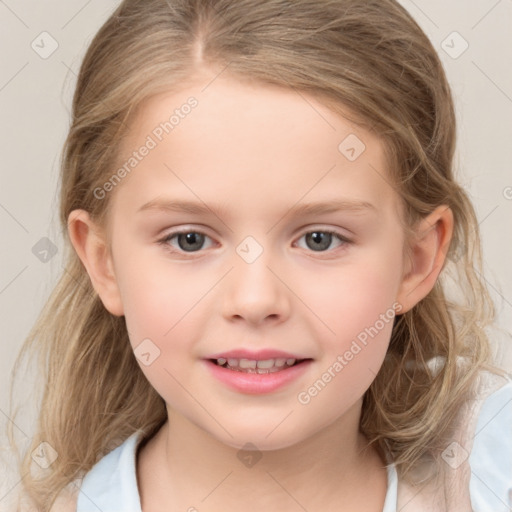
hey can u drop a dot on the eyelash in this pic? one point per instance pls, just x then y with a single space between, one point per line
165 241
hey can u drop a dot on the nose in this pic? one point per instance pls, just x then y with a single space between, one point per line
256 292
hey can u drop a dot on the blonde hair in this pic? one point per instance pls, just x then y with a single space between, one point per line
369 60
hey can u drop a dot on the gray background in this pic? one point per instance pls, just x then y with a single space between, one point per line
35 97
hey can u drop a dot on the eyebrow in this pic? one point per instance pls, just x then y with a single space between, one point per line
318 208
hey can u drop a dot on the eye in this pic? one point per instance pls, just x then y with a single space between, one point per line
191 241
320 240
187 240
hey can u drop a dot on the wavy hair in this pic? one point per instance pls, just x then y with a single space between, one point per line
371 62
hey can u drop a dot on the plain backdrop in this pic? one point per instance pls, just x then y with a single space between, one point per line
473 38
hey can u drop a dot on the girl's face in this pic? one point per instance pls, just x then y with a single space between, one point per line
294 251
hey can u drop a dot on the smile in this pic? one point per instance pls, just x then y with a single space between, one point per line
257 376
256 366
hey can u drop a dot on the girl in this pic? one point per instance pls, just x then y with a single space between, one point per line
273 300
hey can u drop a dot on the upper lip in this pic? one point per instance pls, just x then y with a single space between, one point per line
259 355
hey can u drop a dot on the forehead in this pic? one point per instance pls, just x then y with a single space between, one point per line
243 143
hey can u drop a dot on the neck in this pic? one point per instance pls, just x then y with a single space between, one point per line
185 466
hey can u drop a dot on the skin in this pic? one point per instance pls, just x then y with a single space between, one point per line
257 151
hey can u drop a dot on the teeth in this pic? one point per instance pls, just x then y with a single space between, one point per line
247 363
253 366
268 363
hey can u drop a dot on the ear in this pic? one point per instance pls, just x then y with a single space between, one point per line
90 244
428 250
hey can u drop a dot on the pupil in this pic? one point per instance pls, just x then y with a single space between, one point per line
318 237
193 239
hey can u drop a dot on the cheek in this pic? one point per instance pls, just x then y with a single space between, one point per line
358 295
357 303
157 296
361 314
162 324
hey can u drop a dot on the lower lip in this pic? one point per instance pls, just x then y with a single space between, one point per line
257 383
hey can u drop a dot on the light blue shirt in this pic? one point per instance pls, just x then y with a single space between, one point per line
111 485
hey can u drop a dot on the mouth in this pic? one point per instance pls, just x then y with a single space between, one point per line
256 373
259 366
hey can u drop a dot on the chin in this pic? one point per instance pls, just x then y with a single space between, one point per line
259 439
